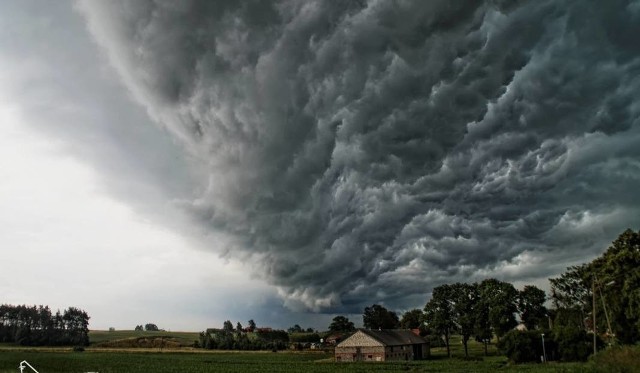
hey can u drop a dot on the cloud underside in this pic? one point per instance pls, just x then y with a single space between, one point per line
369 150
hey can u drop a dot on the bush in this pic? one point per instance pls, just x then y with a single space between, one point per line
521 346
574 344
617 360
78 349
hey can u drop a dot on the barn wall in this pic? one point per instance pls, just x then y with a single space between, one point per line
399 353
366 353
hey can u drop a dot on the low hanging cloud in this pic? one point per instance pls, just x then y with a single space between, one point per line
361 151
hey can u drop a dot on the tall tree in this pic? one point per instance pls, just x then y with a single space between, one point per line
378 317
531 306
412 319
464 298
500 298
252 325
227 326
615 276
570 297
439 313
239 327
341 324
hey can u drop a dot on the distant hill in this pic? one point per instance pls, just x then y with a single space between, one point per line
141 339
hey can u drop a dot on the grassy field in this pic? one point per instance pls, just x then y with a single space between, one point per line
104 337
187 360
133 362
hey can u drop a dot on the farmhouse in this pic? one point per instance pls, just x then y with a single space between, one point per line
382 345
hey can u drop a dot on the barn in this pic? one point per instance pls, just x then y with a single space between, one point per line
382 345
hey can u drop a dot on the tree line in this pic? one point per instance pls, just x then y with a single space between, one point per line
240 338
38 326
607 288
598 298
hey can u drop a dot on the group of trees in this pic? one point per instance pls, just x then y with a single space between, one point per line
482 310
478 310
606 288
149 327
298 329
38 326
239 338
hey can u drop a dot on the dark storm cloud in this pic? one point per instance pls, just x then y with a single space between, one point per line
369 150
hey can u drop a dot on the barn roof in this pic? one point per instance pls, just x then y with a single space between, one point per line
394 337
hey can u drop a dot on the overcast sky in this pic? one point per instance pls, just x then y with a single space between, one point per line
184 163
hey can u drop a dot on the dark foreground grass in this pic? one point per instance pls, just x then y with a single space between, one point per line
169 362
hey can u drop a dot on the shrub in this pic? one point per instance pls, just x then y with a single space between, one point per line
521 346
617 360
574 344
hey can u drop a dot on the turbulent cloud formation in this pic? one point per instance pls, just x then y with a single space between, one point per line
367 151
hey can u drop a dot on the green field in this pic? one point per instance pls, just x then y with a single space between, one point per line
111 362
186 360
101 337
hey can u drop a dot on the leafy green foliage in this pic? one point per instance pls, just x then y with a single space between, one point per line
439 313
615 275
531 306
221 339
378 317
37 326
150 327
521 346
573 344
620 359
465 298
413 319
341 324
252 325
499 300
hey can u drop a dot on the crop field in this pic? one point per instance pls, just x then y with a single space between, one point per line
104 337
189 360
170 362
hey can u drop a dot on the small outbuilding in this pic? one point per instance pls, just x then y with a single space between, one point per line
382 345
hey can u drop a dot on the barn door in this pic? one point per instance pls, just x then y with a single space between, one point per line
359 354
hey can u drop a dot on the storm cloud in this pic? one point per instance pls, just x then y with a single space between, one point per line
367 151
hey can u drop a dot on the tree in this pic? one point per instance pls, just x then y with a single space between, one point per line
239 327
76 325
616 277
227 326
413 319
482 327
341 324
465 298
378 317
531 306
439 313
295 329
252 326
151 327
500 299
139 328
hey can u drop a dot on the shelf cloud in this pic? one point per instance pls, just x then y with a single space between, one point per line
366 151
